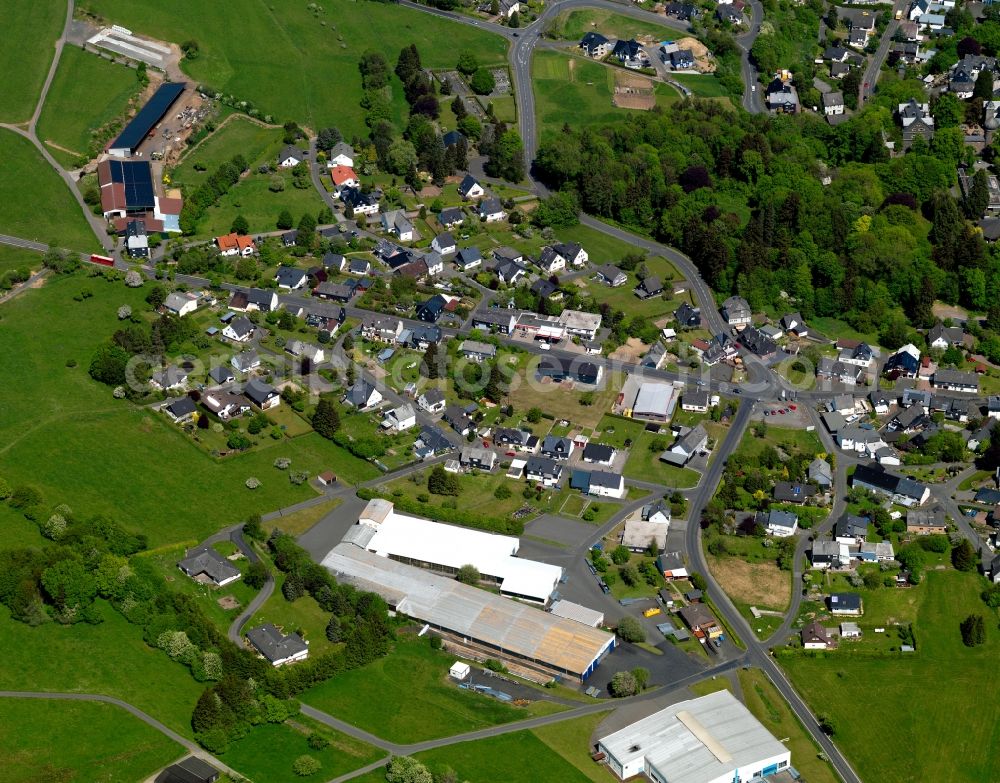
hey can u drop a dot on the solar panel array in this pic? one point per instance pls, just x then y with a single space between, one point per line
137 179
148 116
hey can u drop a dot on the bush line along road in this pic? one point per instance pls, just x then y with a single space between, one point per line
763 386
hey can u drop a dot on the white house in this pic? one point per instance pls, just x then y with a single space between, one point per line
572 252
470 188
276 648
180 304
781 523
491 210
342 154
400 419
550 262
290 156
396 222
235 245
444 243
736 310
343 177
239 330
432 401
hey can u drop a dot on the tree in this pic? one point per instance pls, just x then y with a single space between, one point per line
285 220
441 482
827 725
623 684
70 586
468 574
560 210
978 197
240 225
256 575
403 769
947 111
698 581
973 629
305 765
482 82
328 138
334 631
515 20
293 588
133 279
326 418
430 367
506 158
534 415
496 386
620 555
631 630
963 556
124 312
467 64
641 677
109 364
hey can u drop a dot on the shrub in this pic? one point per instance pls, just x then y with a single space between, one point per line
502 492
623 684
631 630
306 765
252 483
318 741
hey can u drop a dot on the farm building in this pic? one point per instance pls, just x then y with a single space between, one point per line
487 624
138 129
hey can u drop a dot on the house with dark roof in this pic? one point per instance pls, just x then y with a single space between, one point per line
432 401
181 410
781 524
736 311
277 648
901 489
204 564
815 637
649 287
451 217
820 473
430 442
431 310
845 603
362 395
611 275
916 120
290 277
793 492
599 453
189 770
688 317
456 418
905 363
470 188
851 529
220 375
543 288
444 243
557 448
543 470
468 258
359 202
955 380
560 369
595 45
261 394
499 321
491 210
627 52
689 442
754 341
682 60
290 156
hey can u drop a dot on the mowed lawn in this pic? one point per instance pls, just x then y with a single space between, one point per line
110 658
573 25
302 66
934 708
18 258
407 697
704 85
578 91
67 435
28 35
37 204
251 196
86 93
78 741
268 752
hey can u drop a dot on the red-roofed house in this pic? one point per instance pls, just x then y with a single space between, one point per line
235 245
343 177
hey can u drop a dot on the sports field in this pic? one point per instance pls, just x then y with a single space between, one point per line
924 703
37 204
87 93
76 741
27 40
578 91
303 64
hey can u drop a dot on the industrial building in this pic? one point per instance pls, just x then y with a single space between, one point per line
712 739
654 402
446 548
485 624
149 115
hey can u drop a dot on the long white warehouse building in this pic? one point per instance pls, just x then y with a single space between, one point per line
499 627
446 548
713 739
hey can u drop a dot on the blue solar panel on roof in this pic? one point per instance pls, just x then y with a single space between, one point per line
137 177
148 116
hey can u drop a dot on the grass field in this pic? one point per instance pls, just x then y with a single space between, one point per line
303 615
704 85
602 248
572 25
61 410
24 65
784 438
251 196
128 668
623 297
579 91
763 585
923 729
37 203
767 705
268 751
17 258
298 522
86 93
78 741
406 697
308 71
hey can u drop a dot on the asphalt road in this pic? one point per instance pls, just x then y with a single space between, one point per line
874 68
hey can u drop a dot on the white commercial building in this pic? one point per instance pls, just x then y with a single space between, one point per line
493 626
446 548
578 612
655 401
713 739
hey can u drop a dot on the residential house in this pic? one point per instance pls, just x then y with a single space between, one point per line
181 410
381 328
491 210
880 402
235 245
905 363
477 457
543 470
205 565
727 13
521 440
699 618
993 406
696 402
291 278
290 238
688 317
358 202
682 60
599 483
754 341
180 304
224 404
189 770
470 188
431 310
781 524
430 442
262 395
456 418
342 154
444 243
451 217
362 395
820 473
916 120
550 262
642 530
926 521
611 275
343 178
829 554
595 45
432 401
736 312
941 336
671 566
845 603
955 380
793 492
629 53
833 103
468 258
851 530
781 95
559 369
221 374
136 241
815 637
689 443
580 324
335 291
477 351
170 378
857 354
260 299
649 287
901 489
599 453
245 361
302 350
556 448
654 357
277 648
574 253
543 288
395 222
290 156
832 370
